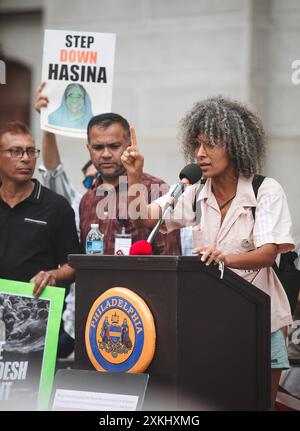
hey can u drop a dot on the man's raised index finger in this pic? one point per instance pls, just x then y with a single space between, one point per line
133 138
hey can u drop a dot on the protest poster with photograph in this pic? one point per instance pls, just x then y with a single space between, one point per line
29 329
78 71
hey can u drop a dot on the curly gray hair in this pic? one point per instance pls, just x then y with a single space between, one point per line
229 123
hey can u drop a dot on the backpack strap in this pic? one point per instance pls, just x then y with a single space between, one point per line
256 183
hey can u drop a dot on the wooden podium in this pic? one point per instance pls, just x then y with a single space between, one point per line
213 335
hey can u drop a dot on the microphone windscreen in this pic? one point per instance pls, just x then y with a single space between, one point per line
142 247
191 172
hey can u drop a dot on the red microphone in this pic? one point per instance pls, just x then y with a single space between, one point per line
142 247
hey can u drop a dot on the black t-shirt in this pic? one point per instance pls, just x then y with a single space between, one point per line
36 235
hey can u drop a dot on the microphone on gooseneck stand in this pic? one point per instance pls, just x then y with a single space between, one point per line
190 174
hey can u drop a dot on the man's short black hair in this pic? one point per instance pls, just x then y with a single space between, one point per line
86 166
106 120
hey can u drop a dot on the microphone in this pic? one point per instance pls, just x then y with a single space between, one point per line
141 247
190 174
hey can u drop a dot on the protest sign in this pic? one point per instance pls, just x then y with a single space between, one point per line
78 71
29 329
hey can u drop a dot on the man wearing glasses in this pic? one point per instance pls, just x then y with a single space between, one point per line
37 226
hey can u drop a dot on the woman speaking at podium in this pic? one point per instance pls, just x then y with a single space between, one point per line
244 229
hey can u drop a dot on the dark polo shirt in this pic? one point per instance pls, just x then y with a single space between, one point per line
37 234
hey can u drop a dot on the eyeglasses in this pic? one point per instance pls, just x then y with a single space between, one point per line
75 96
18 153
